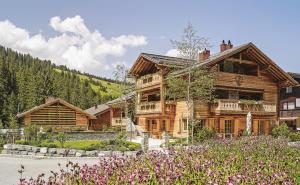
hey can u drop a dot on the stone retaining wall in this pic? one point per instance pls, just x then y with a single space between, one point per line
15 149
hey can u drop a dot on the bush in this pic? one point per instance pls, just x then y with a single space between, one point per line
294 136
204 134
49 144
2 140
281 131
30 132
61 138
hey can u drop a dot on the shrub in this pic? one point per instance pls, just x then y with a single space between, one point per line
294 136
281 131
30 132
22 142
204 134
2 140
49 144
61 138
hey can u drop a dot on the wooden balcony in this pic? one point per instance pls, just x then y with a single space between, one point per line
148 108
290 113
118 122
226 106
148 80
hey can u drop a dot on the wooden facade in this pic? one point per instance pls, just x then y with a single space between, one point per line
290 105
246 81
57 114
103 119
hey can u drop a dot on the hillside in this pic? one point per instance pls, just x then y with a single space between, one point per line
26 81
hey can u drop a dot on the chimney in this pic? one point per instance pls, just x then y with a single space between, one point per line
229 45
204 55
223 46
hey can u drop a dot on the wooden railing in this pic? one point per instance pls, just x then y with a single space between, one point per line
148 80
117 121
290 113
148 107
237 106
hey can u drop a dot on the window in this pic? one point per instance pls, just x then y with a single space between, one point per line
289 89
291 105
285 106
297 102
229 126
239 68
185 124
163 126
154 124
261 127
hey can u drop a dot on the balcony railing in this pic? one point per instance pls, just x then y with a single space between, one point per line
238 107
290 113
148 80
148 107
117 121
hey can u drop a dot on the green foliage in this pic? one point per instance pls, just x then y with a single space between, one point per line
3 140
281 131
204 134
45 136
294 136
61 138
13 124
30 132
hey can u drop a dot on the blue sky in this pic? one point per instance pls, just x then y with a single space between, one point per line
123 29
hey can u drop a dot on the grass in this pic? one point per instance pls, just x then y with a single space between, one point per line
79 145
88 145
112 89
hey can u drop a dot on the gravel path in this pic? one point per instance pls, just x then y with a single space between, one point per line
9 167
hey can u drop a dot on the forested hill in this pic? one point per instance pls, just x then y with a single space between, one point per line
26 81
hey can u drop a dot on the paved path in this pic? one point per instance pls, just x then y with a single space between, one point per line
154 144
9 167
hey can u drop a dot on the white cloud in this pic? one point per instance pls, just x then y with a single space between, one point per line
173 53
74 46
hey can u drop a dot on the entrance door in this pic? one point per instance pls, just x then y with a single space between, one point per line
229 128
261 127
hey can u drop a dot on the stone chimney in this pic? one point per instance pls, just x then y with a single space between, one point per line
204 55
224 46
229 45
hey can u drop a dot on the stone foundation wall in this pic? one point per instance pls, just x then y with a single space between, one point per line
15 149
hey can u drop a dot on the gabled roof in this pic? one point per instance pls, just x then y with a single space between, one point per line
53 101
152 60
122 98
97 109
250 48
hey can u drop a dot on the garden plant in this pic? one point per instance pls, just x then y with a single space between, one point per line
248 160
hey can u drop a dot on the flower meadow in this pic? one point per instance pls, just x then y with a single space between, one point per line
248 160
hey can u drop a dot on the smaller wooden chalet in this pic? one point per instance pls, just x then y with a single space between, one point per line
122 109
57 114
113 114
103 119
290 104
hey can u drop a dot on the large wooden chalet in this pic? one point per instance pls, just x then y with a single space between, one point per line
290 105
247 80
